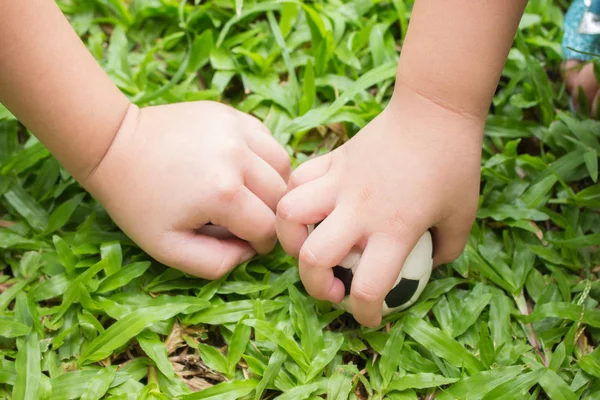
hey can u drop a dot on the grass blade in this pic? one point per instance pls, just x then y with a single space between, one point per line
123 330
224 391
278 337
99 384
155 349
388 364
27 207
27 384
231 312
476 386
339 385
515 388
441 344
9 328
113 253
311 336
59 217
418 381
324 357
555 387
123 276
319 116
275 362
237 345
475 303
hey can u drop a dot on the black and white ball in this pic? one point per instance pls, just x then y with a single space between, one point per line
409 285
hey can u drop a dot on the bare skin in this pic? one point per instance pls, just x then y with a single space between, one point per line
580 76
162 173
413 167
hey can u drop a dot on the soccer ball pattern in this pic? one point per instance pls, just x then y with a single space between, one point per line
409 284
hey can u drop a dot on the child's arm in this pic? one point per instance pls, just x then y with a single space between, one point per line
414 167
455 50
162 173
52 83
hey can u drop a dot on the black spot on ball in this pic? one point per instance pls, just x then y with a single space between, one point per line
401 293
345 275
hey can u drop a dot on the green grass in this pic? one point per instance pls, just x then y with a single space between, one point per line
85 314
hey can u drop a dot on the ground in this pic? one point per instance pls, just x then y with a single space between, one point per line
85 313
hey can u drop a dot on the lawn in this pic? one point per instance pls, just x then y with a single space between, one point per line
86 314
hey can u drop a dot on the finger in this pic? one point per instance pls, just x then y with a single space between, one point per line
449 239
586 82
246 216
376 274
305 205
595 112
309 171
263 144
203 256
266 183
569 70
327 246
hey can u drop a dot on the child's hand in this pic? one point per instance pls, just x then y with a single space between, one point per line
578 77
173 169
414 167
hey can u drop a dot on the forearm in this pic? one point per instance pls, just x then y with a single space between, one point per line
50 81
455 50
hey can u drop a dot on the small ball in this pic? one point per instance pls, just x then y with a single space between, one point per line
409 284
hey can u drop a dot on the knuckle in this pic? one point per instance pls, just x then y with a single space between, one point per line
314 289
267 230
226 190
279 193
294 179
282 162
236 150
398 227
365 292
229 110
219 110
270 245
366 194
311 260
284 209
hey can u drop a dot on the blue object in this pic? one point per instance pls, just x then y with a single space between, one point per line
588 43
594 7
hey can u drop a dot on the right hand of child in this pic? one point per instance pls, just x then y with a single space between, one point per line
414 167
173 170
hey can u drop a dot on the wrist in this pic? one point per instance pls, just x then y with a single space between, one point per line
96 126
434 129
93 174
411 105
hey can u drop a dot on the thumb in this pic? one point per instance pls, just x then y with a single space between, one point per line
449 240
203 256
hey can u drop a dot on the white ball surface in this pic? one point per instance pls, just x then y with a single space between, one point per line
409 284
